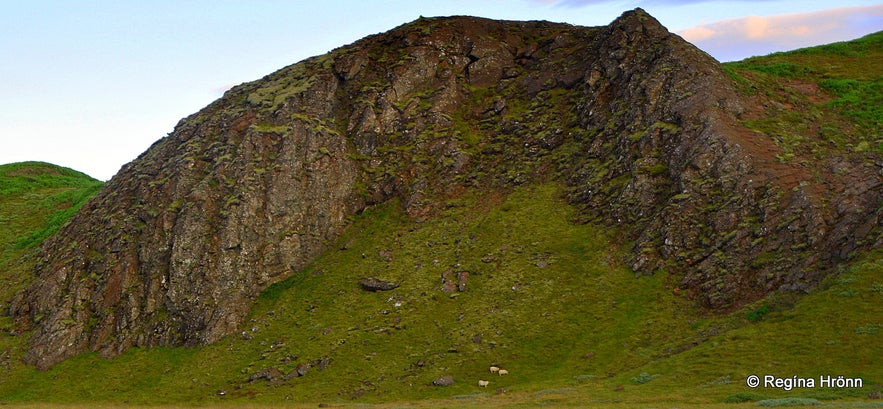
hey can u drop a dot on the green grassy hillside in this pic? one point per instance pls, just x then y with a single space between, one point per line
546 299
827 99
36 199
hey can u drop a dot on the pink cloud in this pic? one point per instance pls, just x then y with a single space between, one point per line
743 37
220 90
641 3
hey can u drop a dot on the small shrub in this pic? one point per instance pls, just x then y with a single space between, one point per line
867 329
860 99
275 290
584 378
789 402
744 397
654 170
643 378
781 69
758 314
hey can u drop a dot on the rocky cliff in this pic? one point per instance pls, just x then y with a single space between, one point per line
642 127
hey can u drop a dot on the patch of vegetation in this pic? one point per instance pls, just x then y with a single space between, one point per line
644 377
802 343
655 169
744 397
782 69
862 100
22 177
36 199
803 122
758 314
63 205
789 402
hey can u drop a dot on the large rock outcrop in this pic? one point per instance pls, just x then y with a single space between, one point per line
641 126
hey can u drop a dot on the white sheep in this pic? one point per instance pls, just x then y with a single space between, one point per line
503 372
483 383
495 369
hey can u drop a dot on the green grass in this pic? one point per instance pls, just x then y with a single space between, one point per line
812 336
16 178
62 205
36 199
847 115
860 99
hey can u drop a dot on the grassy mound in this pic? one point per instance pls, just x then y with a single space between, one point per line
36 199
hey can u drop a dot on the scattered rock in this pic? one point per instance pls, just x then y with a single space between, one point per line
347 245
454 282
462 278
385 255
266 374
448 283
444 381
875 395
321 363
375 284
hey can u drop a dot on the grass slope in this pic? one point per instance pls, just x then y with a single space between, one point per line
826 99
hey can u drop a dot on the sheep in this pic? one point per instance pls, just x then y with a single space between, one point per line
495 369
483 383
503 372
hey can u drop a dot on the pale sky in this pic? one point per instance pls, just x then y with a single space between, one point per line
92 84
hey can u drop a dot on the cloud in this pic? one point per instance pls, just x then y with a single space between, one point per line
743 37
634 3
220 90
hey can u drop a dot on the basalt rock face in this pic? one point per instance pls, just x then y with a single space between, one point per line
639 125
698 192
